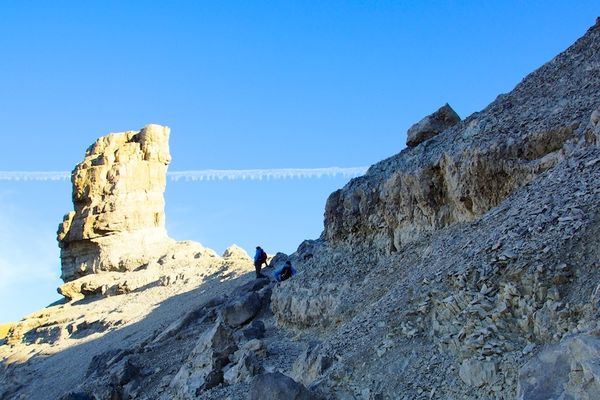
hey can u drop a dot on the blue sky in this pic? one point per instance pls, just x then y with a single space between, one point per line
243 85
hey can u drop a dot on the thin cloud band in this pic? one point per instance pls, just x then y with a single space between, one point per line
208 174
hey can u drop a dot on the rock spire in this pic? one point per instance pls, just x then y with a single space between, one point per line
118 222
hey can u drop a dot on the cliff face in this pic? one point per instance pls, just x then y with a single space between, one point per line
447 267
474 165
118 199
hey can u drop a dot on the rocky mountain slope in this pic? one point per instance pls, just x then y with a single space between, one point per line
465 267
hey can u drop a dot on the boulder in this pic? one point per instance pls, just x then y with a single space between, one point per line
205 363
241 309
477 373
278 261
110 283
311 364
445 117
276 386
124 372
254 346
86 286
254 285
308 306
213 379
244 369
307 249
255 330
265 297
568 370
100 362
118 222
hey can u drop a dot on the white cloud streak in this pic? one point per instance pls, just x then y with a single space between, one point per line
34 175
208 174
260 174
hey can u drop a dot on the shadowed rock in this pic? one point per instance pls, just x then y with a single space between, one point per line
256 330
276 386
241 309
77 396
568 370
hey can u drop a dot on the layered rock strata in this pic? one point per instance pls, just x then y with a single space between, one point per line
448 267
118 222
472 166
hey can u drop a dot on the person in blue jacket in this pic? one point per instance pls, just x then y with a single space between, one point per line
260 258
285 273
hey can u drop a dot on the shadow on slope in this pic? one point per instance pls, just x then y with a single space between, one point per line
49 374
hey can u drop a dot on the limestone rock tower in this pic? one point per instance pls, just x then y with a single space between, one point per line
118 222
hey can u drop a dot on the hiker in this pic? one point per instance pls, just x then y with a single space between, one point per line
260 258
285 273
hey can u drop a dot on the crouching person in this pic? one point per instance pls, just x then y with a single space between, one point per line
285 273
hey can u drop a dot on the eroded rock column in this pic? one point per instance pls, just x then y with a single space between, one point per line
118 222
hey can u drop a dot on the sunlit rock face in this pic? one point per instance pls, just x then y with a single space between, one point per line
119 222
459 170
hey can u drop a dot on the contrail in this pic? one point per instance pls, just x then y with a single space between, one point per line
207 174
260 174
34 175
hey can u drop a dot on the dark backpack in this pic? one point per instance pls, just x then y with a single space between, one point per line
286 273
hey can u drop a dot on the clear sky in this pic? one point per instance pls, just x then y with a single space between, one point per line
243 85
